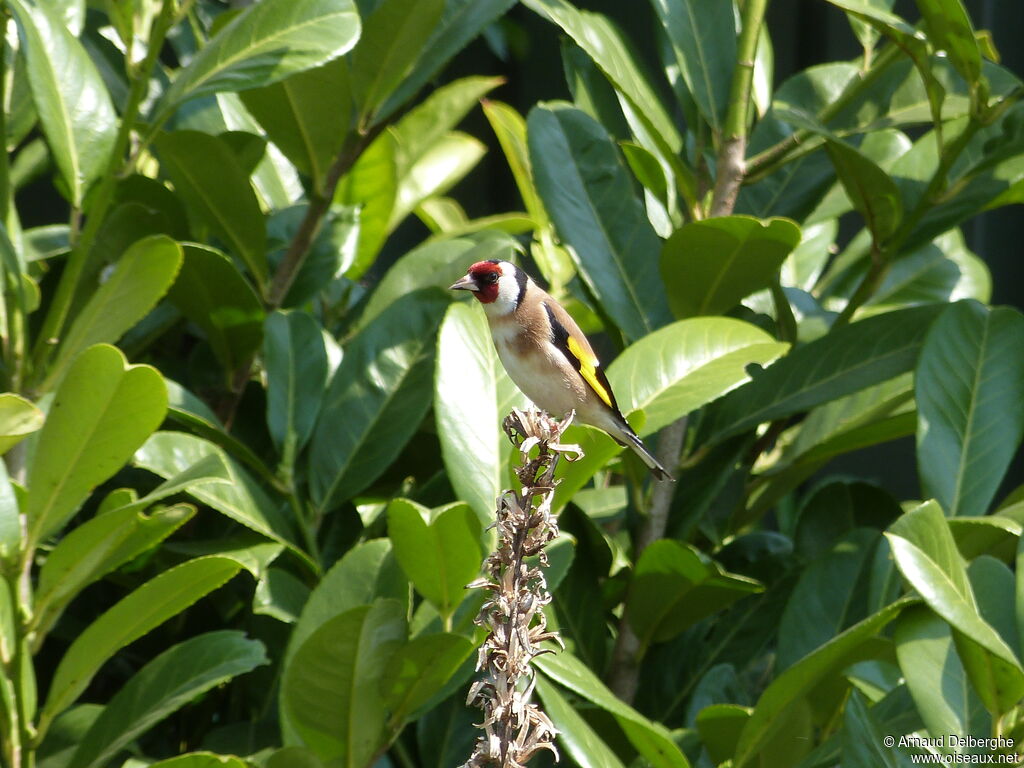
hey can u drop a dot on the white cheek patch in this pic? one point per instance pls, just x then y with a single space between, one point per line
508 293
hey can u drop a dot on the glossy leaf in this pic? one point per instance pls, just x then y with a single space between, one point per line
211 292
703 39
306 116
140 279
863 743
777 704
824 600
209 176
74 106
652 740
436 171
926 555
203 760
372 185
969 386
575 735
103 410
331 686
18 419
168 454
871 190
588 193
709 266
264 44
133 616
935 675
438 550
420 669
296 364
949 27
96 548
838 364
280 596
392 38
376 400
472 395
171 680
675 585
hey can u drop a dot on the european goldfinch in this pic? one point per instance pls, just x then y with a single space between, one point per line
546 354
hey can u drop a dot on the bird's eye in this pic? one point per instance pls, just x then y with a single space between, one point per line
491 277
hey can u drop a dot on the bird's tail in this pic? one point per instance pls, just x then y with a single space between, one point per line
633 442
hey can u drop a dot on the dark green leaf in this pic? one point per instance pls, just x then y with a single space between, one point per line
264 44
331 686
296 364
950 28
103 410
171 680
393 36
838 364
675 585
209 176
709 266
871 190
377 398
702 34
969 386
863 745
589 196
211 292
74 107
575 735
420 669
280 595
132 617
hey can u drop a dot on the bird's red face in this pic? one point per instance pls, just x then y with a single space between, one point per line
482 279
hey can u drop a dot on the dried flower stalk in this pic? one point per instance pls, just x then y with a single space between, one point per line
514 728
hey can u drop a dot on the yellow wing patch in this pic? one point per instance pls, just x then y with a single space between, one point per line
588 370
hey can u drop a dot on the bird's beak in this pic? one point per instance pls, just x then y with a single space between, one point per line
464 283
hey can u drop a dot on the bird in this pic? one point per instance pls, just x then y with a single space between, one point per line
546 354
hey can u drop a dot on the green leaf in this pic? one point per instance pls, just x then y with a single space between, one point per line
510 129
926 555
10 520
720 726
420 669
202 760
439 550
280 596
589 196
824 600
296 364
393 36
461 22
18 419
168 454
935 675
863 745
264 44
376 400
990 581
149 606
140 279
372 186
709 266
472 395
211 292
840 363
306 116
575 735
103 410
675 585
969 385
331 687
702 35
74 107
171 680
434 265
651 739
606 45
443 164
96 548
949 27
777 705
871 190
209 176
